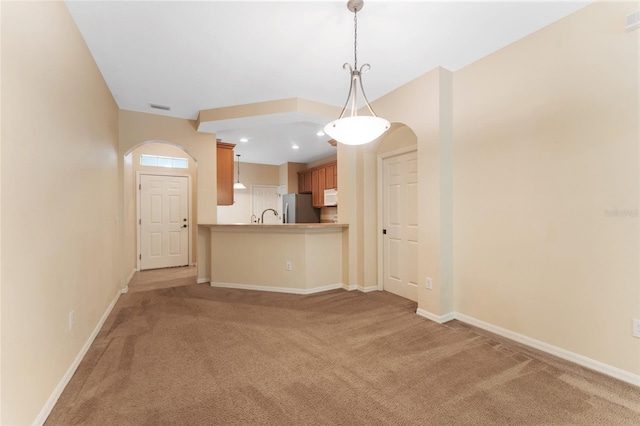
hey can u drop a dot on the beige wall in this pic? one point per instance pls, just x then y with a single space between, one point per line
129 222
283 177
424 107
289 176
546 142
204 254
60 214
322 161
398 137
256 258
132 168
289 172
365 202
139 128
250 174
1 136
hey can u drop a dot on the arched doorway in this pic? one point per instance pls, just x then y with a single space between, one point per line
398 194
158 161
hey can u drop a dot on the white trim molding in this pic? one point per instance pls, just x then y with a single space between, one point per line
350 287
368 289
302 291
130 277
582 360
203 280
380 192
440 319
51 402
174 173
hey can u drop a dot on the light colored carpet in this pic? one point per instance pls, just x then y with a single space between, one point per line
197 355
154 279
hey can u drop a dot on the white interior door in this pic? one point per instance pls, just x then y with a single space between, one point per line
400 222
164 227
266 197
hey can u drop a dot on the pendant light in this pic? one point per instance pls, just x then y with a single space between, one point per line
238 185
356 129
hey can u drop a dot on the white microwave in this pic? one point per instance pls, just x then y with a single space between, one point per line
331 197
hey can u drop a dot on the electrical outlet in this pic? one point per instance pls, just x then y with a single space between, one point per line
636 328
428 283
288 266
72 319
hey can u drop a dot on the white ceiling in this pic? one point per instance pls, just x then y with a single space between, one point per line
196 55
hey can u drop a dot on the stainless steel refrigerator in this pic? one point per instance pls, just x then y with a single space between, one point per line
298 208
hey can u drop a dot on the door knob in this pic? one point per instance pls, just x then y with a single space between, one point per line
184 226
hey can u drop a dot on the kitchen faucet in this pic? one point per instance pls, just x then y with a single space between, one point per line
266 210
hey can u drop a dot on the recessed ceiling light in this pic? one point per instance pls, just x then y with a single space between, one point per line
294 146
243 140
320 133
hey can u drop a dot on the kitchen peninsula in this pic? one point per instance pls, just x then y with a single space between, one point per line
300 258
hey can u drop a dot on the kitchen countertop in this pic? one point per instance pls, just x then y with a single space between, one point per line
276 225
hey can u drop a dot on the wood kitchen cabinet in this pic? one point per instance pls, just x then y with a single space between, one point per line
317 183
308 181
224 152
301 188
317 179
304 182
331 176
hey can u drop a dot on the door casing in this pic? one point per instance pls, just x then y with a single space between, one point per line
380 173
189 212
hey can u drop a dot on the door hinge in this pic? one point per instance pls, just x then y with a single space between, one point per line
139 221
140 256
139 186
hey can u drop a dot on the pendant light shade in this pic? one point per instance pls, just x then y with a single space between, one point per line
356 129
238 185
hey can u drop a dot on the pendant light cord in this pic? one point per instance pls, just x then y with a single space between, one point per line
355 38
354 129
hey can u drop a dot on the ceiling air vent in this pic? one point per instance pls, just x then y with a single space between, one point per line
633 21
162 107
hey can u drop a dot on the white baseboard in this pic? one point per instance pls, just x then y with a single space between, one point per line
51 402
601 367
131 276
124 290
278 289
351 287
203 280
368 289
440 319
